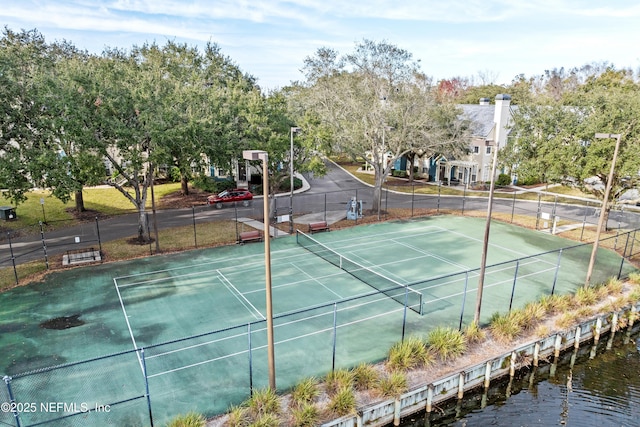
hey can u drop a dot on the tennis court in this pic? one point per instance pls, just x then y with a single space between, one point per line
339 298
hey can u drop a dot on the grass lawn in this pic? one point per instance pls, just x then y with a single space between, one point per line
42 206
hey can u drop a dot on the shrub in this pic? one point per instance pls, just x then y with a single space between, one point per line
566 320
556 303
505 327
586 295
474 333
264 401
237 417
205 183
533 313
191 419
337 380
266 420
503 180
305 392
614 286
306 415
393 385
407 354
343 401
364 376
634 278
634 296
447 343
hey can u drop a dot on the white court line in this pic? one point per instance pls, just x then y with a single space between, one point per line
369 242
277 342
239 295
126 318
475 290
316 280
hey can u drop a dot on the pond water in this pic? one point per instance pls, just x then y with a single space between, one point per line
594 386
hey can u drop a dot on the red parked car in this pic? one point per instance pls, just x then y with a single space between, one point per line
235 195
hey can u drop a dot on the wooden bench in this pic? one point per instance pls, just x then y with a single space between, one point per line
250 236
314 227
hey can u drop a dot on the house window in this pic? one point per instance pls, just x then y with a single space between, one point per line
489 150
476 149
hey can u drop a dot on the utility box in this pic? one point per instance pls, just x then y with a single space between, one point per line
8 213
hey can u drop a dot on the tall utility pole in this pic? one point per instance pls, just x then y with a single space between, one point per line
264 156
485 242
605 202
293 130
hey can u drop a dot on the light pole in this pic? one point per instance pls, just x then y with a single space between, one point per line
294 129
264 156
605 202
485 243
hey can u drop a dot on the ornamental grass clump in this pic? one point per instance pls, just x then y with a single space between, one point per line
343 401
407 354
446 343
305 392
474 333
586 296
554 304
191 419
393 385
634 278
306 415
505 327
364 376
264 402
337 380
614 286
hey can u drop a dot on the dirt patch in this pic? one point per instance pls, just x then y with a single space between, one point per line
177 200
87 215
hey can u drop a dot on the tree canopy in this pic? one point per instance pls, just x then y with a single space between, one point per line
376 105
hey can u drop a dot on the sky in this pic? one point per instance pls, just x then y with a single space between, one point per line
488 41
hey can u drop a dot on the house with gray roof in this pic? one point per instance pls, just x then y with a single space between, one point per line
490 126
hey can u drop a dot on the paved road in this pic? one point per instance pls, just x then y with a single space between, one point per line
327 194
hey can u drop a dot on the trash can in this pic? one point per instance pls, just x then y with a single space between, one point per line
8 213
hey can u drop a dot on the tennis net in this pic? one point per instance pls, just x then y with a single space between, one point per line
389 287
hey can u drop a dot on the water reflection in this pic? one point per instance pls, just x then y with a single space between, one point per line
593 386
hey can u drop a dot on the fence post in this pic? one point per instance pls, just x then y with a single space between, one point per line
195 233
148 233
404 313
553 214
325 205
464 298
146 384
12 401
386 204
513 205
584 220
633 240
250 360
98 233
464 198
439 187
513 288
555 275
44 246
335 336
413 195
538 213
13 258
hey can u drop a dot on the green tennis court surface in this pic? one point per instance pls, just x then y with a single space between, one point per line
200 316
